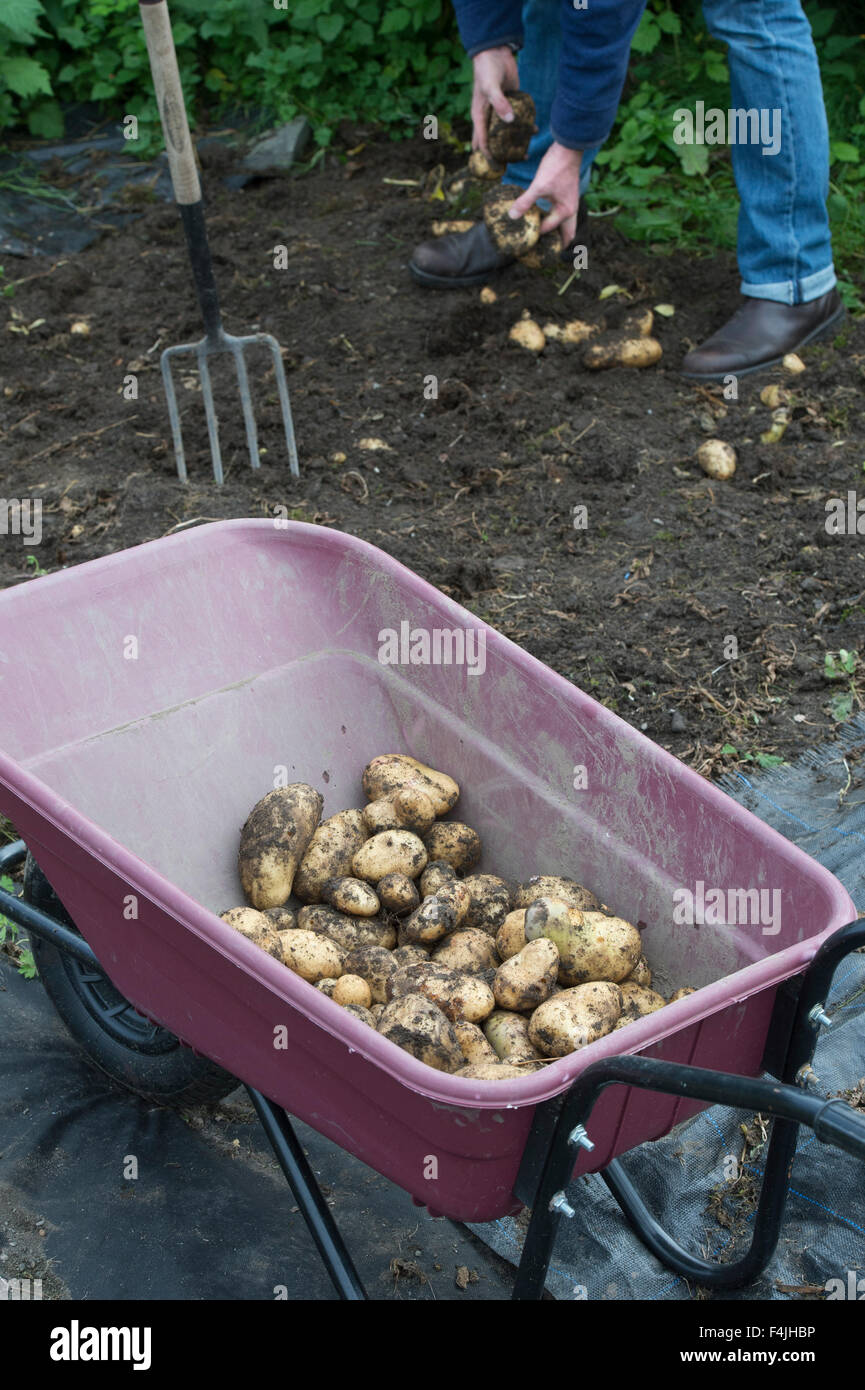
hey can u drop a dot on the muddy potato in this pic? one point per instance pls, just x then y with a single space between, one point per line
489 901
525 981
508 1036
637 1001
638 323
468 950
351 989
390 772
256 927
575 1018
594 947
497 1071
457 844
281 918
681 994
347 932
327 986
482 168
717 459
458 996
376 1011
511 935
455 895
511 236
409 955
358 1011
391 852
410 808
432 921
273 841
641 974
545 913
350 895
311 955
554 886
528 334
508 141
435 876
330 853
416 1025
398 894
623 352
474 1046
373 964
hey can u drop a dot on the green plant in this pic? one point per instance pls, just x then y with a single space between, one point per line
764 760
9 939
842 667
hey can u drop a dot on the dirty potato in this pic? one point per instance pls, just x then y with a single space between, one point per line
489 901
390 772
641 974
475 1048
398 894
435 876
358 1011
468 950
526 980
455 895
409 955
391 852
681 994
311 955
575 1017
554 886
593 946
273 841
508 1036
457 844
432 921
637 1001
458 996
373 964
330 853
511 935
256 927
416 1025
623 352
512 236
327 986
508 141
351 989
410 808
482 168
347 932
281 918
350 895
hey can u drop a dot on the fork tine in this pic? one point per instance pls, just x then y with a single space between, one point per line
282 387
210 412
246 403
173 414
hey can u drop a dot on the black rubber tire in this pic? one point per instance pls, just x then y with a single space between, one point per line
117 1040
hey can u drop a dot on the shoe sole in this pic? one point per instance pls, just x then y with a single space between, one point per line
451 282
819 332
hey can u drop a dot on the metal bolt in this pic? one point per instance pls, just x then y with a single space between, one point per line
806 1076
818 1015
580 1139
561 1204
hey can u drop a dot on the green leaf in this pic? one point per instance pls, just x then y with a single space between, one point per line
670 23
46 120
648 35
694 159
842 707
768 760
24 76
395 21
847 154
329 25
21 18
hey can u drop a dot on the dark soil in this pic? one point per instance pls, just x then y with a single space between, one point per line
476 487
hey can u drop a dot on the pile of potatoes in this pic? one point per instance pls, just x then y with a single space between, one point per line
463 970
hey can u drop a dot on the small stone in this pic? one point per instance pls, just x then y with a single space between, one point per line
792 363
281 149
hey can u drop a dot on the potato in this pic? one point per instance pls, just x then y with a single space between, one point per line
435 876
497 1071
327 986
545 913
418 1027
347 932
273 841
511 935
458 996
454 842
489 902
454 895
469 951
637 1002
351 989
482 168
376 1011
511 236
546 254
391 852
397 893
717 459
528 334
350 895
330 852
433 920
576 331
387 774
552 886
409 955
358 1011
594 947
410 808
575 1018
508 141
373 964
256 927
638 323
623 352
525 981
508 1035
640 975
281 918
681 994
312 956
474 1046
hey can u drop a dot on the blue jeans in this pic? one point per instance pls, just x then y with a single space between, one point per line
784 245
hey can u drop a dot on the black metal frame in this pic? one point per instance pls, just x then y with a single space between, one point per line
559 1126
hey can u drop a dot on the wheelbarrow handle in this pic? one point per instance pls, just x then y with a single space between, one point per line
169 98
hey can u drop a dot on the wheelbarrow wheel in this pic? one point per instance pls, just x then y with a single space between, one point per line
119 1041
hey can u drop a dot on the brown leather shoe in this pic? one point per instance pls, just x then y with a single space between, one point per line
759 334
458 259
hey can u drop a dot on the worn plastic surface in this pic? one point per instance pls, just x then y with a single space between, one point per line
146 700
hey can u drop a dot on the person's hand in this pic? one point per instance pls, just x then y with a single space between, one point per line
557 180
495 73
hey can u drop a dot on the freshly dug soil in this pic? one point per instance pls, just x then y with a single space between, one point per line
480 450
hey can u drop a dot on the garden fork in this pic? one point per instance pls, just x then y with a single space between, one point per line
187 192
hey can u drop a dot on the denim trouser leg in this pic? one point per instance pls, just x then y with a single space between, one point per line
538 62
785 249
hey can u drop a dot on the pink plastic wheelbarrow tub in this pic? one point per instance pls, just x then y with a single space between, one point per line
149 698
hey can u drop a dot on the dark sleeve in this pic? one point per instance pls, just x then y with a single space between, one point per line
489 24
596 46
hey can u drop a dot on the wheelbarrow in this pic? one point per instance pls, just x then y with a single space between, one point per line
149 698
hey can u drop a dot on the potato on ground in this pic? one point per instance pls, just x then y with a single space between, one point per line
526 980
508 141
350 895
312 956
594 947
429 923
391 852
389 772
435 876
575 1018
511 935
458 996
475 1048
330 853
512 236
351 989
497 1071
508 1036
398 894
637 1001
554 886
457 844
623 352
468 950
347 932
410 808
273 841
373 964
256 927
489 901
416 1025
